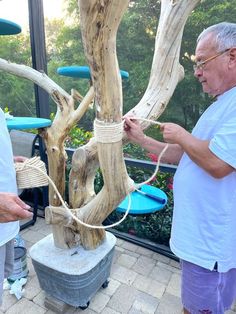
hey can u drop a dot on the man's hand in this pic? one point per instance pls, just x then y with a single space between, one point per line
173 133
12 208
19 158
133 130
135 134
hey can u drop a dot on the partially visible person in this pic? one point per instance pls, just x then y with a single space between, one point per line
12 208
203 231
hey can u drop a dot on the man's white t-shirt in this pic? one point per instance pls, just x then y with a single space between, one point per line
7 179
204 218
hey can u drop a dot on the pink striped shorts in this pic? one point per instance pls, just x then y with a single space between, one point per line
207 292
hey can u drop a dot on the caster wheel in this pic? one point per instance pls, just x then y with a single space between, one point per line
105 284
84 307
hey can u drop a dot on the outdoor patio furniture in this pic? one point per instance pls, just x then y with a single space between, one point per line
82 72
146 201
23 123
9 28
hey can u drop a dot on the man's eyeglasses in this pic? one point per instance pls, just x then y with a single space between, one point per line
199 65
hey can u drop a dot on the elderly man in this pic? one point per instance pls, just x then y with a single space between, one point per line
12 208
203 232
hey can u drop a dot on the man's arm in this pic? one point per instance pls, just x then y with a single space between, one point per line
136 135
171 156
197 150
12 208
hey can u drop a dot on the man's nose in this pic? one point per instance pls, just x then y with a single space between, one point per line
198 72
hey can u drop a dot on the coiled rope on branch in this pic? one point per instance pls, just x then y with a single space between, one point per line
104 133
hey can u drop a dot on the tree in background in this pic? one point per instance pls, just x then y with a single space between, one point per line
16 94
135 47
188 101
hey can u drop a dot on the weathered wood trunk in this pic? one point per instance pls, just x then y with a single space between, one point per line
99 23
99 26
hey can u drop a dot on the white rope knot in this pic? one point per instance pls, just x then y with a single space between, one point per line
108 132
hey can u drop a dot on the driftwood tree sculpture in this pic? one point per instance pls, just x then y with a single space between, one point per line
99 23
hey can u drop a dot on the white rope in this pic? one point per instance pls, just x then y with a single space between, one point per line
68 210
26 178
155 171
159 157
108 133
148 120
100 130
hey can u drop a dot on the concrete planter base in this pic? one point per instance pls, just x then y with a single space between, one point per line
72 275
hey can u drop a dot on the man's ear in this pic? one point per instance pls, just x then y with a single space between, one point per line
232 57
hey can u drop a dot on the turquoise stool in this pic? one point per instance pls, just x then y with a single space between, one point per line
149 200
82 72
9 28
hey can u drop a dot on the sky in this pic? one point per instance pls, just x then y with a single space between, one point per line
17 10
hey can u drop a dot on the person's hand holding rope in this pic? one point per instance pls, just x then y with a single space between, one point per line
173 133
19 158
12 208
133 130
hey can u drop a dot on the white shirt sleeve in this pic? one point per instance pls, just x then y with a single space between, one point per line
223 144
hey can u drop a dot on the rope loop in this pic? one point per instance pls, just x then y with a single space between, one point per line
27 174
104 133
108 132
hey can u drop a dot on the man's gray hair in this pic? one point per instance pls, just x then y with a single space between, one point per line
225 35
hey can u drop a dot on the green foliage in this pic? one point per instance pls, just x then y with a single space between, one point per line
131 150
16 93
188 101
6 110
77 137
135 48
98 182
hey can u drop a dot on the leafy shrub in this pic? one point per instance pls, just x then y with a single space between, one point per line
77 137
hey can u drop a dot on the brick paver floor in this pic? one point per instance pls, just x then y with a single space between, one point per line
141 281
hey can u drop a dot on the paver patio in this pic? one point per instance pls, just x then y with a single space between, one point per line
141 281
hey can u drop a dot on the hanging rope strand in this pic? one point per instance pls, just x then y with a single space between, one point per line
101 134
148 120
159 157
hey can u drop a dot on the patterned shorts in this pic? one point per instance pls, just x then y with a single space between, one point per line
205 291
